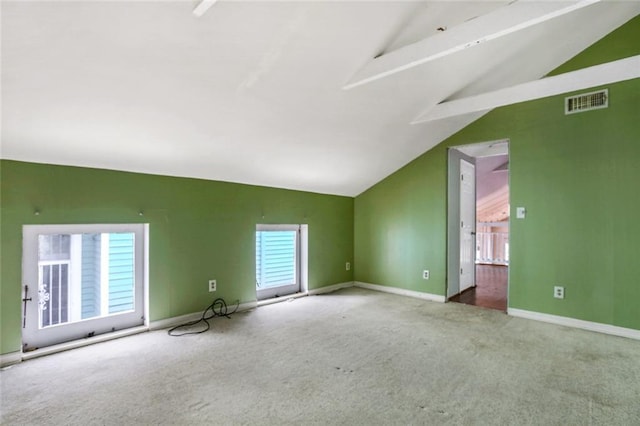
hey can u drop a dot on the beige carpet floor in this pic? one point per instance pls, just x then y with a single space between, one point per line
351 357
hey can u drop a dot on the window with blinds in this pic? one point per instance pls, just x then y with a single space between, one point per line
277 260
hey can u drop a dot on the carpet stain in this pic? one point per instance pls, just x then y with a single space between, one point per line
198 406
437 411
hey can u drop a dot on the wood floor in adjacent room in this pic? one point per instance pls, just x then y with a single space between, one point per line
490 290
353 357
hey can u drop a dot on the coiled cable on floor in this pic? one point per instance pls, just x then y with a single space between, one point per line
218 309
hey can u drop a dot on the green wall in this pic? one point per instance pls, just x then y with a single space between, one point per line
576 175
400 227
199 230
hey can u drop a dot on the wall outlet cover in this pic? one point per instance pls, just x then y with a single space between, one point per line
558 292
425 274
348 266
212 286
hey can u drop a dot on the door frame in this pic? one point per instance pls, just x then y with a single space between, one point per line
454 154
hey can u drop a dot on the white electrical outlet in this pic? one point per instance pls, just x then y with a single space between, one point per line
212 286
348 266
425 274
558 292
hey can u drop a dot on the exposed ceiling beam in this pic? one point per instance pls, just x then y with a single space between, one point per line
202 7
597 75
499 23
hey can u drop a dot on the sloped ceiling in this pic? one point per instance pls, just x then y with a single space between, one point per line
257 92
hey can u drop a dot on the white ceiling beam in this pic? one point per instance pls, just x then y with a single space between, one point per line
499 23
597 75
202 7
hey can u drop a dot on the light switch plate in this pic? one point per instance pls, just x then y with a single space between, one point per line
521 212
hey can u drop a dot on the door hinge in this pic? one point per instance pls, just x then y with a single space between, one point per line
460 271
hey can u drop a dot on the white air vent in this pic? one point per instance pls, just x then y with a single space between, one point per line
586 101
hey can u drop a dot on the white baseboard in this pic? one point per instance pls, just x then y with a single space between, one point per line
170 322
321 290
273 300
330 288
576 323
173 321
83 342
401 292
10 358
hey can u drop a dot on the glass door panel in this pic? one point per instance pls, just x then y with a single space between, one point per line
277 261
81 277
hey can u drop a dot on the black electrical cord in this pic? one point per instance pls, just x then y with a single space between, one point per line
218 309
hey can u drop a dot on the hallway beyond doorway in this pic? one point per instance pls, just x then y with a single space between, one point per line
490 290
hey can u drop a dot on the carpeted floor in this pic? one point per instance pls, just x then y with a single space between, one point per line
351 357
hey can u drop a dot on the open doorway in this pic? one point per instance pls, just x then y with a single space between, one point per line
479 251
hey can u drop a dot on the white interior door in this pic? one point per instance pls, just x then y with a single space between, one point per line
467 224
80 281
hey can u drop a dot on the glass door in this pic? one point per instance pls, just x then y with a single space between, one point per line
81 280
277 260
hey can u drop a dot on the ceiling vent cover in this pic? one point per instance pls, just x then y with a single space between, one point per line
586 101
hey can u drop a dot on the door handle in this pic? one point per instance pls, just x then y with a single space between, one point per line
25 299
473 233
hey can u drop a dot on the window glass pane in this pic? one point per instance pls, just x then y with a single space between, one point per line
84 276
121 272
54 247
275 258
90 279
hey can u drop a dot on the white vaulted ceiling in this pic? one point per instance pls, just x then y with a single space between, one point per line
268 93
